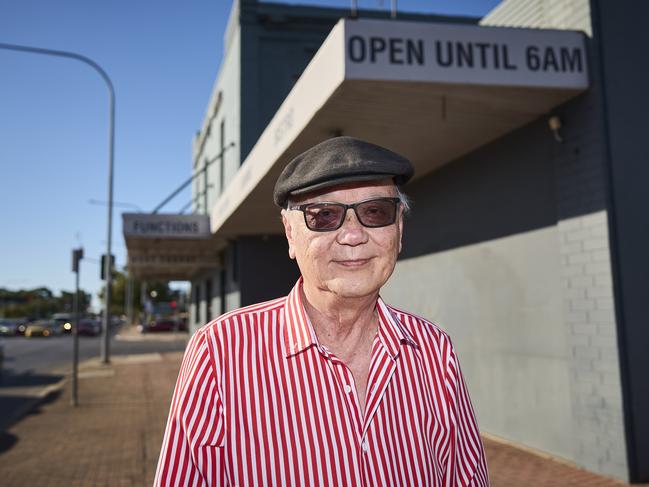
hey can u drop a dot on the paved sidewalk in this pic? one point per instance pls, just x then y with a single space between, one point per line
113 438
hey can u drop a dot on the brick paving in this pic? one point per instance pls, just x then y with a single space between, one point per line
113 438
513 467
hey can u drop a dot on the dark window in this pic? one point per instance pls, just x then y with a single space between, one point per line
223 293
222 155
197 303
235 261
208 297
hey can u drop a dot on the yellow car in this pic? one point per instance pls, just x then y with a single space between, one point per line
41 329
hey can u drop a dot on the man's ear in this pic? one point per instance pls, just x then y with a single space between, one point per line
288 231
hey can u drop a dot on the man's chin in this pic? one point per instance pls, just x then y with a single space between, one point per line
356 287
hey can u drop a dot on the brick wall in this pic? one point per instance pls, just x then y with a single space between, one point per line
590 317
588 306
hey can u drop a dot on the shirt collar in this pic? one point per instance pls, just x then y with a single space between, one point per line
299 333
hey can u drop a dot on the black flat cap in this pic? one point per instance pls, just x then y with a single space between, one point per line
336 161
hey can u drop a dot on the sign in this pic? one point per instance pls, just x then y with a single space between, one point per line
464 54
171 226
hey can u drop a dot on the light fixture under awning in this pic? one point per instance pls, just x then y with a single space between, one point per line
432 92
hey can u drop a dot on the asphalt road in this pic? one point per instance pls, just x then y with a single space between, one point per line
48 355
32 365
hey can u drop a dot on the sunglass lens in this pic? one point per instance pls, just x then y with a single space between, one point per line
377 213
324 216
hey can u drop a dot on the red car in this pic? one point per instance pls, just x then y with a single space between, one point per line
89 327
162 324
166 324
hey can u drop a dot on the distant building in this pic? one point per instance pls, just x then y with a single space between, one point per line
529 236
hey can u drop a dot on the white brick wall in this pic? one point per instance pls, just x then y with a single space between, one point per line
587 285
589 315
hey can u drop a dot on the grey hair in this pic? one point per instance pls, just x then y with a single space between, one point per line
406 202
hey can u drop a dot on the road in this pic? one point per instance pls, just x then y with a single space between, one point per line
32 365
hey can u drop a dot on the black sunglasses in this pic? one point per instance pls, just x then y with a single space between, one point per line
325 217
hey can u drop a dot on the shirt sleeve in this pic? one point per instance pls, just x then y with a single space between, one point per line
467 462
191 452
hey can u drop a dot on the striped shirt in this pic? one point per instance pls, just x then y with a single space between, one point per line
259 401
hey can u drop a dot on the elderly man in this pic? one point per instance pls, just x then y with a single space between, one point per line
328 385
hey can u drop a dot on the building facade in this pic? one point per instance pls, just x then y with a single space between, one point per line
528 238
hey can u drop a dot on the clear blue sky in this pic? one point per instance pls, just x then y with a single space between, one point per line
163 57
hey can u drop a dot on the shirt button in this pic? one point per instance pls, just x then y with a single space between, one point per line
347 388
365 446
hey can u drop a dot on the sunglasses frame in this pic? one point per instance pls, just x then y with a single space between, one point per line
353 206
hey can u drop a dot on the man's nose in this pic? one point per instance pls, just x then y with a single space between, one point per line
352 232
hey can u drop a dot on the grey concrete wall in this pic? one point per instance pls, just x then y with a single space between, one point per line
501 302
508 249
481 257
226 94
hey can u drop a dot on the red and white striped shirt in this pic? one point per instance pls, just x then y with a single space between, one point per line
260 402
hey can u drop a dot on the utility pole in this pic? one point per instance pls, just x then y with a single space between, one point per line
105 357
130 285
77 255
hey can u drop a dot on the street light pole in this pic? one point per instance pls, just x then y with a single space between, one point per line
105 352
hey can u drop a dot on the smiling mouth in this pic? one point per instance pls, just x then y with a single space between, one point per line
352 262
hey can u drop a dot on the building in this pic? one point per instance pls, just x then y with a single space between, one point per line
529 233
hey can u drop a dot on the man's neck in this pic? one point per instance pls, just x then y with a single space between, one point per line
341 324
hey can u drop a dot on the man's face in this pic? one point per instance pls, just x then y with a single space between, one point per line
352 261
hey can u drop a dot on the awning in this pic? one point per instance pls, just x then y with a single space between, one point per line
432 92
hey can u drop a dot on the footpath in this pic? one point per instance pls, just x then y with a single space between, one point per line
113 437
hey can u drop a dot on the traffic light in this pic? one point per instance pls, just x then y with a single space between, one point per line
102 271
77 255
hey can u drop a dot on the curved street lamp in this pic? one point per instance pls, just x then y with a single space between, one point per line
105 353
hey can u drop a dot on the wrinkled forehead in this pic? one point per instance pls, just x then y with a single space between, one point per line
348 192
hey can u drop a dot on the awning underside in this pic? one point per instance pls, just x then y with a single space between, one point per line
171 259
430 123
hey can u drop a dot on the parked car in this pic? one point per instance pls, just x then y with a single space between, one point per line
8 327
89 327
64 321
42 328
165 324
22 326
162 324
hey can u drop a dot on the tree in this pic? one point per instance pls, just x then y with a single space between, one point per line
38 303
119 295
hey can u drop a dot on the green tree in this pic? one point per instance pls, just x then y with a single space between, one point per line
38 303
119 294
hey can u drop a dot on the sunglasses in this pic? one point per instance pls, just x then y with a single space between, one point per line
325 217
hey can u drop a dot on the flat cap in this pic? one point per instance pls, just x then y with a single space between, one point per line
336 161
